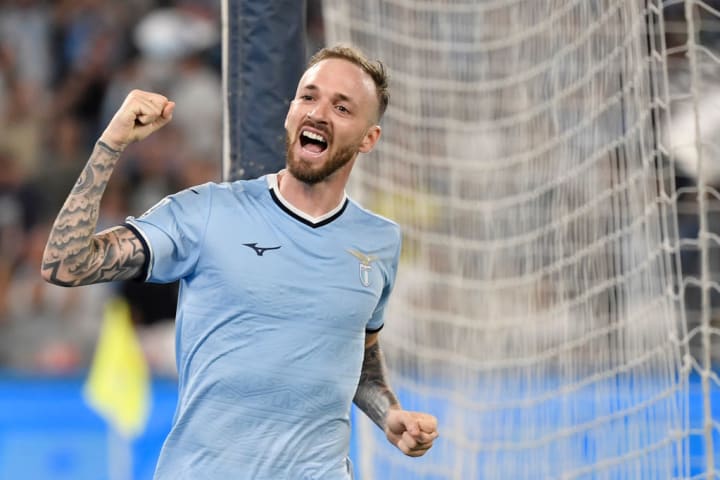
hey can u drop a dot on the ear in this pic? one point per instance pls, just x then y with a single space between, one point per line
370 139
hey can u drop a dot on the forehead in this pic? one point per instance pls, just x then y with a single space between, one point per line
338 76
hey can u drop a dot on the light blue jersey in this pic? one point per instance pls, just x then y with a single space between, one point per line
271 320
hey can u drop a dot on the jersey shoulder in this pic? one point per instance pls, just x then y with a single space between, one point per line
374 231
372 219
208 199
245 187
230 191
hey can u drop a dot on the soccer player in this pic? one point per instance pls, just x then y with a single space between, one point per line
283 284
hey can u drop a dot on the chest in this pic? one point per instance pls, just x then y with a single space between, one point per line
295 271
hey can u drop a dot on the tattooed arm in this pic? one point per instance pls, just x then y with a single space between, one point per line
373 395
412 432
74 254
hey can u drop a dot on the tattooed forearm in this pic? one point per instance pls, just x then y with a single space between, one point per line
373 395
118 255
74 255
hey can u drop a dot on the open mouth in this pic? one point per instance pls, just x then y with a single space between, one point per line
313 142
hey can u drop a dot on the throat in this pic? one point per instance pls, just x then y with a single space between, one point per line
312 201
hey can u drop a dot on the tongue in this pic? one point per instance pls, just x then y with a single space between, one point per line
314 147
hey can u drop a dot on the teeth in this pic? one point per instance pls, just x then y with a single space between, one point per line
314 136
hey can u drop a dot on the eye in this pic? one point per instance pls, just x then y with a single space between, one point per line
342 109
306 97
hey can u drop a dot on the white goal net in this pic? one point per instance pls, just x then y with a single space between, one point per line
529 154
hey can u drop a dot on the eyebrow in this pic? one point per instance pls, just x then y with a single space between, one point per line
339 96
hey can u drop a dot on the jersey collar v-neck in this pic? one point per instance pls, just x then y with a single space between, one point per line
298 214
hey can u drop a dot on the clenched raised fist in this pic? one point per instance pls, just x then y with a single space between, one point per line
140 114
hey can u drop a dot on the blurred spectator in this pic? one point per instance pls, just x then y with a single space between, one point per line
199 114
25 28
61 163
20 124
149 167
90 45
18 208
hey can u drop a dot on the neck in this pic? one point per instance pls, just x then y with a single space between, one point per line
314 199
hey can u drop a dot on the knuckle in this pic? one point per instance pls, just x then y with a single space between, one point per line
158 98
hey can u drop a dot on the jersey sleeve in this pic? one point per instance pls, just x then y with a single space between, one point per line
377 320
173 231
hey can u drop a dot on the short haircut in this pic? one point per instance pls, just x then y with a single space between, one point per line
375 69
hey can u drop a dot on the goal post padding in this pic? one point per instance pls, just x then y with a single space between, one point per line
263 58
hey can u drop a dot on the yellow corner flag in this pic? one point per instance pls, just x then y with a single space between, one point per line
118 386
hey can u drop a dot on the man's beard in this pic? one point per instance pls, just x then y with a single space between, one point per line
309 174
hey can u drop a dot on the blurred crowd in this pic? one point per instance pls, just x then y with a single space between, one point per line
65 67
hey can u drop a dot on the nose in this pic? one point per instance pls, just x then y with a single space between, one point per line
318 113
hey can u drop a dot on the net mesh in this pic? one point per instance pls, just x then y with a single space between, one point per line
693 72
538 310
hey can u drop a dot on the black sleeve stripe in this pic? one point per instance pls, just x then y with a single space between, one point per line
374 330
142 275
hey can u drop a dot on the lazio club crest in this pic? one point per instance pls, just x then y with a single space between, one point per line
365 265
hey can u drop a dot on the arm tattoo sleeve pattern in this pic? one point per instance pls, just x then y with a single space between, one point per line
373 395
74 254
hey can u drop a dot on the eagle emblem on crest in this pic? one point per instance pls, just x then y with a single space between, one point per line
365 265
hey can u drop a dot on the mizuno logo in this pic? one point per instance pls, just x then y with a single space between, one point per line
260 250
365 265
